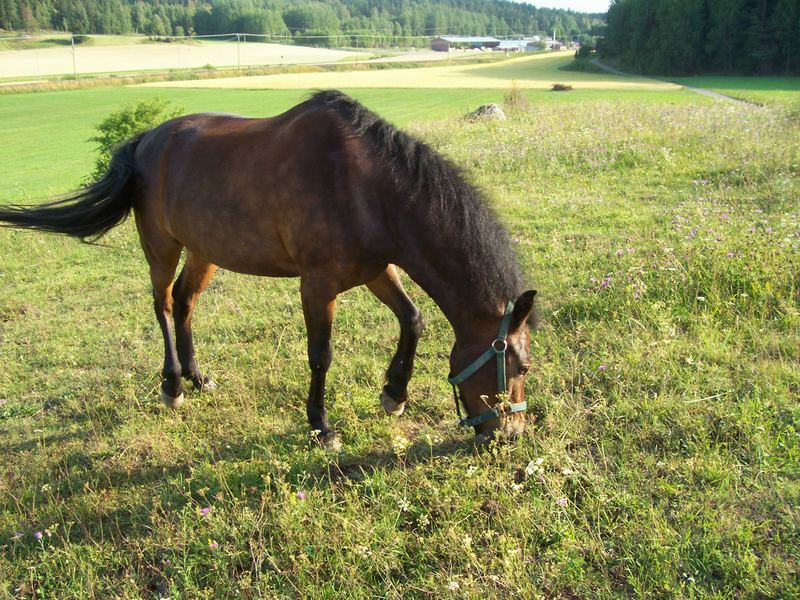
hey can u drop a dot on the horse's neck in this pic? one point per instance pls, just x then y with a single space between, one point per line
444 279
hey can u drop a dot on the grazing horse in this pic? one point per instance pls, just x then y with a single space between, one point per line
330 192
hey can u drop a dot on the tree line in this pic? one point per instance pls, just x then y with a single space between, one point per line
705 36
390 22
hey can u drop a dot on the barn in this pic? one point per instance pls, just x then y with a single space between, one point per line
447 43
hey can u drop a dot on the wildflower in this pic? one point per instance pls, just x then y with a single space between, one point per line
567 471
301 495
38 535
602 367
534 467
400 444
562 502
701 298
606 283
205 510
213 545
453 586
404 504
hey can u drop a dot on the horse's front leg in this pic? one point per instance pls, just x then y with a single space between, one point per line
389 290
319 301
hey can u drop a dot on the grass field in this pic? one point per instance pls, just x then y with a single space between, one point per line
761 90
663 233
93 58
538 71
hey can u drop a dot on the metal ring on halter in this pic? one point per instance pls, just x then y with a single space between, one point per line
502 348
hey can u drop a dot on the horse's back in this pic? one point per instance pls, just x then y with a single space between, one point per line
272 196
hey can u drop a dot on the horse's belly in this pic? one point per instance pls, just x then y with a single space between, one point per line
252 250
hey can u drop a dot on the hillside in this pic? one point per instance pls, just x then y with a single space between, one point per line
384 22
705 36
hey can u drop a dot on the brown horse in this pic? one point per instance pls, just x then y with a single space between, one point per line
329 192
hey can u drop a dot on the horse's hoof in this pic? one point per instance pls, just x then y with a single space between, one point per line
330 442
392 406
171 401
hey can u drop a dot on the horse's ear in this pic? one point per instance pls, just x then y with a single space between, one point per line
523 308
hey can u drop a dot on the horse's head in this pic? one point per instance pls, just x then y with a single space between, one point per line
490 373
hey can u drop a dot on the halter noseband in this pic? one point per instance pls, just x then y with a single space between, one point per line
498 351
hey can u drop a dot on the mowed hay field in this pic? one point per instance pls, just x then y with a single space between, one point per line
155 56
537 71
662 231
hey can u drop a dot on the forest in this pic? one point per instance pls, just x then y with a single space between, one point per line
386 22
705 36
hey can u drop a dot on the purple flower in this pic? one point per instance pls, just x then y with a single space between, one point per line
602 367
204 511
38 535
301 495
213 545
562 502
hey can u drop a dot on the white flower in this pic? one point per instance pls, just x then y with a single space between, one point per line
453 586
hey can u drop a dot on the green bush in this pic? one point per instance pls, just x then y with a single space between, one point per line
125 123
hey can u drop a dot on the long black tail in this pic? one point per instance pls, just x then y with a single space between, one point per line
88 213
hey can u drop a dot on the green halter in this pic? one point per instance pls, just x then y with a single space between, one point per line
498 351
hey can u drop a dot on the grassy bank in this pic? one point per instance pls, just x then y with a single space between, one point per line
663 233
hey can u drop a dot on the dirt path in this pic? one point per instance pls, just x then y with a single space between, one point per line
702 91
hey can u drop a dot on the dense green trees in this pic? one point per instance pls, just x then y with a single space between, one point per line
389 22
694 36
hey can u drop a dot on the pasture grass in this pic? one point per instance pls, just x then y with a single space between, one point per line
52 129
663 448
783 91
536 71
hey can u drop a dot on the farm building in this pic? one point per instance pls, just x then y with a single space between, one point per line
512 46
461 42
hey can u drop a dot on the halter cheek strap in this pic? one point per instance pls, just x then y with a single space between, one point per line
498 351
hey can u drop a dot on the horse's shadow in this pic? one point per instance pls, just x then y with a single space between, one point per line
122 524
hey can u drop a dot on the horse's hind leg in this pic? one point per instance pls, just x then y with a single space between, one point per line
195 276
389 290
163 255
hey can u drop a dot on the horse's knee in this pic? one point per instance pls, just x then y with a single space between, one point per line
319 359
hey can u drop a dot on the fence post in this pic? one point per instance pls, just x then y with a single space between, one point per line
74 67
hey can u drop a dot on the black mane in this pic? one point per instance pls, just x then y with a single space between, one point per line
457 209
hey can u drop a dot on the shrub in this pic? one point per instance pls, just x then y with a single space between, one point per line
561 87
585 51
125 123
